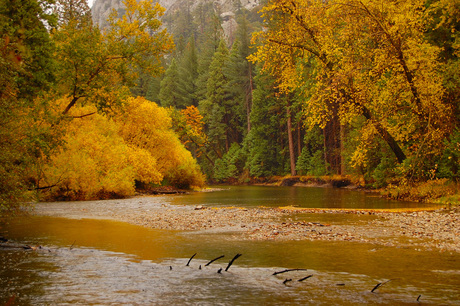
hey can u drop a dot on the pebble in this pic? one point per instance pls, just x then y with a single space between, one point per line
438 229
432 229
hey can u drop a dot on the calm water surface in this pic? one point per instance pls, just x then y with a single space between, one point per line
308 197
112 263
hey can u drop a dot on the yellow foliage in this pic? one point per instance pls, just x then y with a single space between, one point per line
146 125
364 58
92 163
104 156
145 165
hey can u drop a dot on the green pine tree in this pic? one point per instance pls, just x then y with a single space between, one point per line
188 74
169 95
213 108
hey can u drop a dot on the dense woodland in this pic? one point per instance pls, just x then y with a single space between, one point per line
311 88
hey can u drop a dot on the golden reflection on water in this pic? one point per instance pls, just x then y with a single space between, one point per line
102 234
358 264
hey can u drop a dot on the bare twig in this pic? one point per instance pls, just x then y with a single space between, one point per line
288 270
190 259
231 261
306 277
214 260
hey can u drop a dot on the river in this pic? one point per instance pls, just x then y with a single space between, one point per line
98 261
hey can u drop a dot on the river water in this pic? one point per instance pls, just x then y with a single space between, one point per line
86 261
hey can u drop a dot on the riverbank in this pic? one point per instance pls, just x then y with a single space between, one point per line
439 191
421 229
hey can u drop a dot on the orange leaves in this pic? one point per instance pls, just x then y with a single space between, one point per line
194 121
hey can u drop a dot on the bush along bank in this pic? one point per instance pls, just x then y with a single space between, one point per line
439 191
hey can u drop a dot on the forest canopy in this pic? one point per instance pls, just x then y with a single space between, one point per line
364 89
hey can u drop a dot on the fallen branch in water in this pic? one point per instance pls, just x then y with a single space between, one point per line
231 261
306 277
190 259
287 280
214 260
288 270
379 285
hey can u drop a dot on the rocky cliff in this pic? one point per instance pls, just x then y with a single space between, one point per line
101 9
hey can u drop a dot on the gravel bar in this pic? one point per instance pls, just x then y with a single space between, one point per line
421 229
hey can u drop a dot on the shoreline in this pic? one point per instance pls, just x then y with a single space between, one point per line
427 229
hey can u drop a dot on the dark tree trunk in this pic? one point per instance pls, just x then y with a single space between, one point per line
386 136
291 142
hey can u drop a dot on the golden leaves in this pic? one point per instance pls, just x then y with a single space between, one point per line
106 155
347 56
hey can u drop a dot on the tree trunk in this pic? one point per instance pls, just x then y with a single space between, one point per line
249 99
70 105
332 142
342 139
386 136
299 139
291 142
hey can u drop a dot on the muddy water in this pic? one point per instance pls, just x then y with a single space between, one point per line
107 262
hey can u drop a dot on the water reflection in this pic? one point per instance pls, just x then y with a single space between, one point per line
104 262
308 197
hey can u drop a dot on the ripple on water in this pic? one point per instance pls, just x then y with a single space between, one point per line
91 276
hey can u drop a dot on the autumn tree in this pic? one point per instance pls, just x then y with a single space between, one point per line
147 126
94 162
94 63
372 61
189 126
26 73
104 157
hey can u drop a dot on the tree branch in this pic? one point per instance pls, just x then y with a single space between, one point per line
82 116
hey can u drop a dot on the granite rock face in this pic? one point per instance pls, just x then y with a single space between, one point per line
101 10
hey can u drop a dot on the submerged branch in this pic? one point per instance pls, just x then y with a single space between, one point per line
288 270
306 277
214 260
231 261
190 259
380 285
